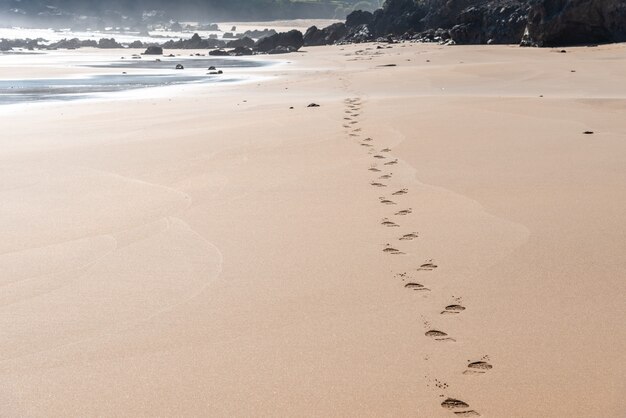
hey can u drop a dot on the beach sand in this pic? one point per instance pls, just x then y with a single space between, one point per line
216 253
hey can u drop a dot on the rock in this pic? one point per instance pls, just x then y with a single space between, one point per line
105 43
291 41
218 53
136 44
576 22
282 50
154 50
258 34
180 67
233 29
327 36
359 17
245 42
195 42
313 105
212 68
240 51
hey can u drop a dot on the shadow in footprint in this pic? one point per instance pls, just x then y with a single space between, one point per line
478 367
427 266
438 335
376 184
388 223
404 212
408 237
416 286
453 310
386 201
400 192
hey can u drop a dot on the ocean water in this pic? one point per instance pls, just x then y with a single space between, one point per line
101 73
101 76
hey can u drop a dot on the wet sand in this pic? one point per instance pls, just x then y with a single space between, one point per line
438 237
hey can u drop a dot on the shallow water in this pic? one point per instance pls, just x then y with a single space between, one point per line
143 73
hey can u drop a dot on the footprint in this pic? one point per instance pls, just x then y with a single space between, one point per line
404 212
385 177
357 130
453 310
374 169
391 250
388 223
470 413
385 150
409 237
438 335
452 403
380 157
365 145
353 122
392 162
478 367
427 266
376 184
416 286
400 192
368 139
386 201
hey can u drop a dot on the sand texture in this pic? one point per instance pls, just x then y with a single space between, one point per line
438 238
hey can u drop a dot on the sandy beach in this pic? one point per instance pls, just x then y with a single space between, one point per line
438 238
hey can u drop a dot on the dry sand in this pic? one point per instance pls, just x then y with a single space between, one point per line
215 253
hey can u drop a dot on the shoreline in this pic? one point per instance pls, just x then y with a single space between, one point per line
216 252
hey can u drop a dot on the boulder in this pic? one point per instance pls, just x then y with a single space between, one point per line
240 51
244 42
105 43
576 22
359 17
154 50
327 36
218 53
292 40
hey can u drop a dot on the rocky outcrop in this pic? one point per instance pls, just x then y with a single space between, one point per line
327 36
105 43
195 42
244 42
575 22
154 50
499 23
537 22
292 41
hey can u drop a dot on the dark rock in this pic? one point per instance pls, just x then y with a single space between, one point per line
218 53
359 17
313 105
240 51
576 22
136 44
282 50
154 50
212 68
180 67
105 43
327 36
245 42
258 34
195 42
292 40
